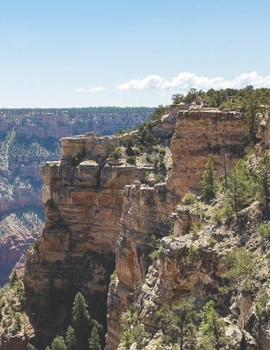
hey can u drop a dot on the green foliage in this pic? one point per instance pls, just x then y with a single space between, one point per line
131 160
192 255
94 341
177 98
213 330
195 227
14 278
241 189
262 177
58 343
252 108
189 198
158 113
30 347
264 231
178 324
81 319
240 269
129 141
71 339
262 306
116 153
132 330
154 254
208 184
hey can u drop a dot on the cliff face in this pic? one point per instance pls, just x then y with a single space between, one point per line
145 216
148 215
83 206
29 138
198 136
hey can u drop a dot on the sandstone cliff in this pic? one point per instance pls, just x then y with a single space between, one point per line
200 135
83 205
29 138
89 217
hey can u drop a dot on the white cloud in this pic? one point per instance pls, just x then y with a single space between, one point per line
184 81
92 89
150 82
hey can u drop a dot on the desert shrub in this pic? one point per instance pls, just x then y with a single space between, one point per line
192 255
131 160
189 198
264 230
116 153
240 269
148 158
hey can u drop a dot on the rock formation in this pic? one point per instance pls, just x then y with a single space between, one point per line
29 138
200 135
83 206
89 217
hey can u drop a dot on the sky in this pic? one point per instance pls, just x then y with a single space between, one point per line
82 53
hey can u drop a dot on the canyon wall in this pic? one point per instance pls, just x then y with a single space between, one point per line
85 205
29 138
200 135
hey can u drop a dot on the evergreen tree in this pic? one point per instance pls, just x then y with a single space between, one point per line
263 180
30 347
252 108
58 343
13 278
241 267
213 330
94 341
81 319
241 189
178 325
208 183
71 339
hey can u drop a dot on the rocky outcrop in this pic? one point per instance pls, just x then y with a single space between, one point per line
29 138
145 217
83 206
200 135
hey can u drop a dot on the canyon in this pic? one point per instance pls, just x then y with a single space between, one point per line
102 216
118 231
29 138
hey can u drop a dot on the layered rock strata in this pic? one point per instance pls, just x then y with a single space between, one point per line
145 217
200 135
83 206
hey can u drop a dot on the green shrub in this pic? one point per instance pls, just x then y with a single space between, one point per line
116 153
264 230
148 159
189 198
131 160
192 255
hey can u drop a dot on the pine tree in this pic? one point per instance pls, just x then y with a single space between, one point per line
81 319
178 324
58 343
263 180
13 278
213 330
208 183
71 339
94 341
241 189
252 109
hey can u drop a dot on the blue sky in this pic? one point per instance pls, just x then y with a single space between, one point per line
57 53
